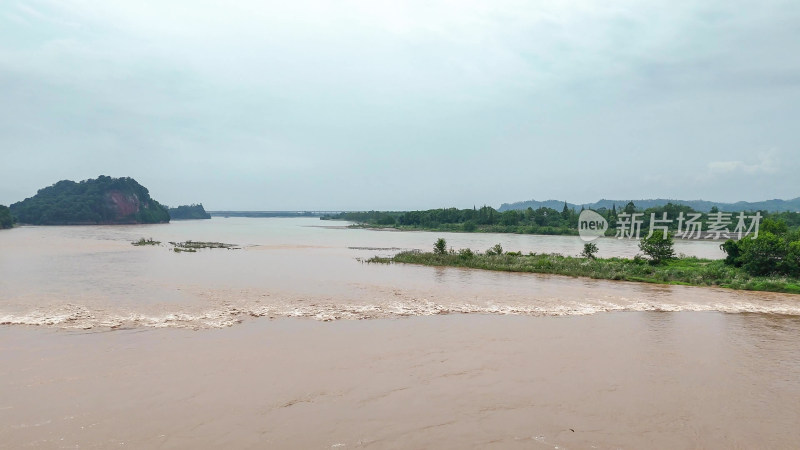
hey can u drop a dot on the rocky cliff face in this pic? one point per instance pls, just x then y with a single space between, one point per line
125 205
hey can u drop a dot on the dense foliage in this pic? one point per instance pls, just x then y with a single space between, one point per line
543 220
440 246
186 212
484 219
776 251
90 202
589 250
658 247
6 221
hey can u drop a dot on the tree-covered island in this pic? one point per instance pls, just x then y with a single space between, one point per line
189 212
101 201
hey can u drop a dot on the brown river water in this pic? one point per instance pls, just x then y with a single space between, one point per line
92 277
107 345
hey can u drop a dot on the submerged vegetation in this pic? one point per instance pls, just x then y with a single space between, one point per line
144 241
684 270
192 246
186 246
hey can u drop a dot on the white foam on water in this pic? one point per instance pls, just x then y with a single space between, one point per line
71 316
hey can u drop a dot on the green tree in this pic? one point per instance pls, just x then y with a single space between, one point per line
763 255
509 217
589 250
791 264
658 247
440 247
733 251
497 249
777 227
768 254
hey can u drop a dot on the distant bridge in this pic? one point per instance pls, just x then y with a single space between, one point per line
309 213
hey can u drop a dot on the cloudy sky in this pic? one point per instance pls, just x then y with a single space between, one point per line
402 105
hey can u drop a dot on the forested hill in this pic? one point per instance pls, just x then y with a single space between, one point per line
776 205
6 221
103 200
187 212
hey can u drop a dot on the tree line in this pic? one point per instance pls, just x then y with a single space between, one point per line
776 250
542 220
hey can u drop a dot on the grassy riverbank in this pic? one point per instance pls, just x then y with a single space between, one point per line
686 271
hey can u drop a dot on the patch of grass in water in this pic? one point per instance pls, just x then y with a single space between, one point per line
193 246
144 241
688 271
377 260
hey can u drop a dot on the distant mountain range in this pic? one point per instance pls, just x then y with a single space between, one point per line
776 205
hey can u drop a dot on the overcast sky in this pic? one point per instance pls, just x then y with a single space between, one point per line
402 105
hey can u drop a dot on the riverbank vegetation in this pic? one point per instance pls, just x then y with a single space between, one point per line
143 241
672 270
535 221
775 252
